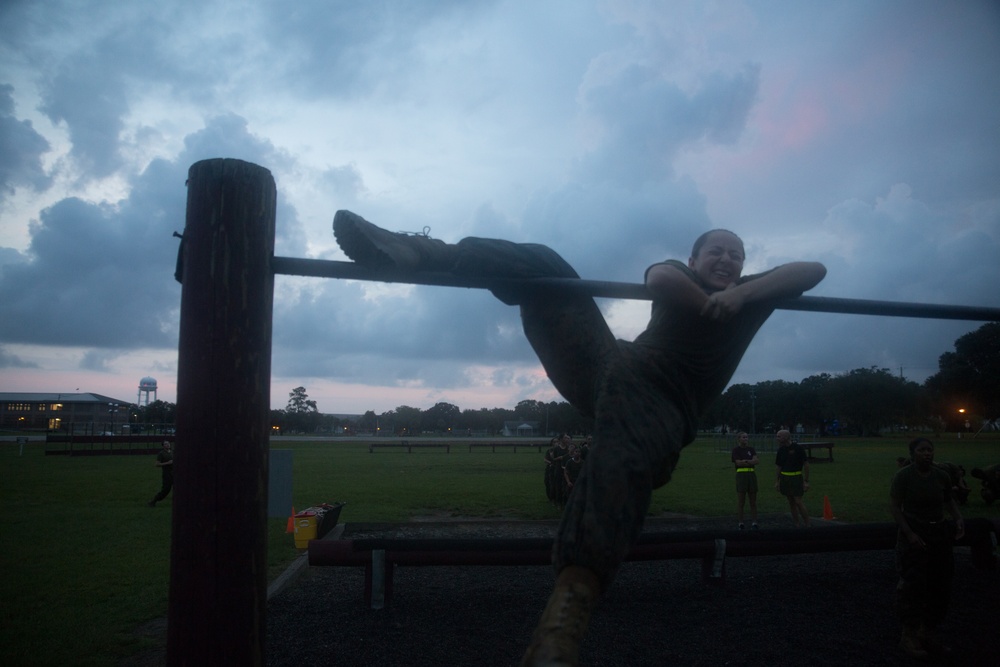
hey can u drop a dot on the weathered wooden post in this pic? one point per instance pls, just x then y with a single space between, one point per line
218 565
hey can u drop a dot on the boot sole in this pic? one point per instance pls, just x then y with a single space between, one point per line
354 236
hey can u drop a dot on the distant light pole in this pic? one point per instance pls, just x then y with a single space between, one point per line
113 411
753 411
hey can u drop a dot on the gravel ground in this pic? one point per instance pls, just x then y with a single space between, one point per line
811 609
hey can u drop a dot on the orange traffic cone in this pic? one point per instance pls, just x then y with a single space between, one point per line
290 526
827 510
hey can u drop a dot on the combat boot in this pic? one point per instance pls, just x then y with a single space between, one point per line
556 641
377 248
910 643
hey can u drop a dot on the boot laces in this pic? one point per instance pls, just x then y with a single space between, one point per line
425 233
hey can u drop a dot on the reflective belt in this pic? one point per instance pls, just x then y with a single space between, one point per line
744 470
790 474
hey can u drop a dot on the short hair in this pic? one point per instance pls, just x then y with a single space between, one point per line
700 241
916 442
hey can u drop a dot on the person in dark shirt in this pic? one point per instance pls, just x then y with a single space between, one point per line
165 462
572 468
792 479
553 463
745 459
919 496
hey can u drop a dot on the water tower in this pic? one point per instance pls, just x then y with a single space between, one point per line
146 384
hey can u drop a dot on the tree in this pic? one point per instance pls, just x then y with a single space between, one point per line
278 419
158 412
816 409
530 410
564 418
404 420
298 402
440 418
481 420
777 404
302 414
867 399
969 377
368 421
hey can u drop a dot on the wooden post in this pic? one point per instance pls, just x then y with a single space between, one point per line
218 564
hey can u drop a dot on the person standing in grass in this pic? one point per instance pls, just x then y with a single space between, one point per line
919 496
572 468
793 476
554 459
745 459
645 396
165 462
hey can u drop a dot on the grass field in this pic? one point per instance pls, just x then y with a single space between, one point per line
84 561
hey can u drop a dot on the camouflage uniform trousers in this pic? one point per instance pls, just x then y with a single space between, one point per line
639 428
925 574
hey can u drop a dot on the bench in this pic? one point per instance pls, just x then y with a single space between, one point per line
828 446
380 556
409 446
84 445
507 445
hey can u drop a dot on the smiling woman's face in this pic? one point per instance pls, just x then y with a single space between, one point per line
719 262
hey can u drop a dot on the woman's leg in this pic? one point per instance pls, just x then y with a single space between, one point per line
638 435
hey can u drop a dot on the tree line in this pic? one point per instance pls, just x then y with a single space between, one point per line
963 395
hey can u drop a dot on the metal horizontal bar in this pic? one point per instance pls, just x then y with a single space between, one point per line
320 268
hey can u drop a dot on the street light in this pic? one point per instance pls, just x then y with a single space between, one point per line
112 410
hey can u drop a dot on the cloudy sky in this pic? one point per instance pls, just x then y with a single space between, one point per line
863 134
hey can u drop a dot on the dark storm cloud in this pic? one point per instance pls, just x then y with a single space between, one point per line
624 189
351 48
101 274
91 101
21 149
860 135
647 119
618 194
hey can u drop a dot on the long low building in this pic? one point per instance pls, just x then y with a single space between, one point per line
54 411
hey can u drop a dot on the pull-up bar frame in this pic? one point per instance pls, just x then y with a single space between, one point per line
218 565
319 268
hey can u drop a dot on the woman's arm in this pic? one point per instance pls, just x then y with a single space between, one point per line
669 283
787 280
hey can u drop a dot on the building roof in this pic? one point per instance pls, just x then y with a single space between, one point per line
53 397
